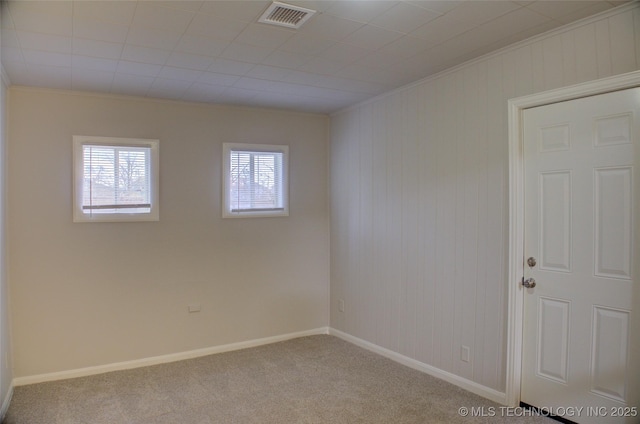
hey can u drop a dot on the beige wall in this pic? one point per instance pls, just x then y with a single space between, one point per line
98 293
419 178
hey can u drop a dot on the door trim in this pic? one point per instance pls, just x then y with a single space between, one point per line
515 303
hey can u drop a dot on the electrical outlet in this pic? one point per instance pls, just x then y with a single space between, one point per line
464 353
194 307
341 305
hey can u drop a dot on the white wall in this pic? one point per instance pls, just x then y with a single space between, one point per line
419 178
97 293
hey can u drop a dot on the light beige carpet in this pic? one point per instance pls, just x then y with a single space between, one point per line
317 379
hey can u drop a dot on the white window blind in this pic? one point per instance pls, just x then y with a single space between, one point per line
116 179
255 180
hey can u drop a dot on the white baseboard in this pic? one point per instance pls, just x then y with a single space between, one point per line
144 362
6 402
468 385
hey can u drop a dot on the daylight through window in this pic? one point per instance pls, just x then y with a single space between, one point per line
115 179
256 180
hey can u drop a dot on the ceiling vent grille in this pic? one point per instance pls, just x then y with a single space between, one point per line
286 15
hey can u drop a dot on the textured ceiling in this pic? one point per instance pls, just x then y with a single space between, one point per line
217 52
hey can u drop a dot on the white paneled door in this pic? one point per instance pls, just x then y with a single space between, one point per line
581 186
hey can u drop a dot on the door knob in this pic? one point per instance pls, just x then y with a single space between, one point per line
529 283
531 262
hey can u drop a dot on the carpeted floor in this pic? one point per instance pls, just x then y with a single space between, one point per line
317 379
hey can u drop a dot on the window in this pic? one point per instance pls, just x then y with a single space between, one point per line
116 179
255 180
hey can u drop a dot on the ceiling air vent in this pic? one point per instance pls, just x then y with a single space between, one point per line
286 15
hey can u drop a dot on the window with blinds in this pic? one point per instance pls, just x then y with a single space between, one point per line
116 179
255 180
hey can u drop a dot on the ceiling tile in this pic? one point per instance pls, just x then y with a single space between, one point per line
360 11
189 61
15 69
214 78
39 57
150 15
592 9
92 81
306 78
96 48
145 54
456 47
205 93
269 73
407 46
306 44
370 74
234 95
79 63
211 26
523 35
191 5
345 53
245 53
441 6
264 85
11 54
404 18
441 29
154 38
49 17
47 76
317 5
380 59
168 89
262 35
141 69
171 72
327 93
201 45
9 37
115 12
325 66
478 12
372 37
48 42
132 85
231 67
354 85
101 31
246 11
512 23
558 9
329 27
287 60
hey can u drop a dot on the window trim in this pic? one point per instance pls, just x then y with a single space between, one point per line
78 179
227 148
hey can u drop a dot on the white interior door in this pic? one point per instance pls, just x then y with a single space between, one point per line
581 191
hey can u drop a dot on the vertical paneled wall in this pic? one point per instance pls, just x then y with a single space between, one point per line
419 182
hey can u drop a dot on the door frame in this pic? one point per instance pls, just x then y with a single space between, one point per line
515 302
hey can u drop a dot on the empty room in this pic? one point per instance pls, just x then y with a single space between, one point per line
331 211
